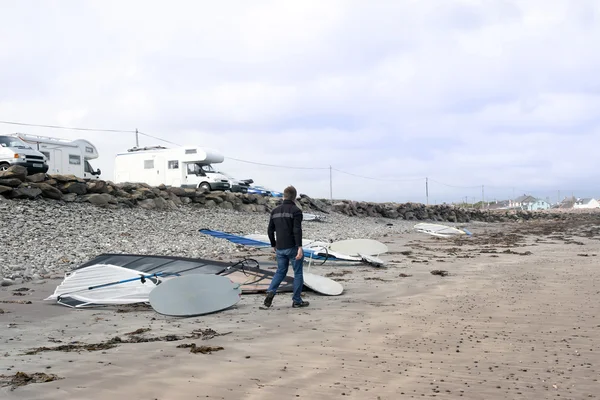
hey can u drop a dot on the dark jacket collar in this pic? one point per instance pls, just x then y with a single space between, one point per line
288 202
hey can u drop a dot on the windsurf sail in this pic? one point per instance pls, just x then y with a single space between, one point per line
112 279
312 249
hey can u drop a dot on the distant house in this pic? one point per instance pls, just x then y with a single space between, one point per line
499 205
586 203
567 202
529 203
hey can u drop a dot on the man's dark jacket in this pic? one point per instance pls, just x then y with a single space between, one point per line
286 220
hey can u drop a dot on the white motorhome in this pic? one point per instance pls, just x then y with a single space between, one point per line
14 151
187 167
65 157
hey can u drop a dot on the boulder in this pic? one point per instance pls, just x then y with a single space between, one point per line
216 197
66 178
101 199
48 191
31 193
15 171
4 190
97 187
36 178
12 182
178 191
390 213
70 197
226 205
210 203
148 204
74 187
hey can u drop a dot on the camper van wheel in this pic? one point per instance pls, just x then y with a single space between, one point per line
205 186
4 166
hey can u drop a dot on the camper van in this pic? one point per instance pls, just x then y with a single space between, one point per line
13 151
65 157
187 167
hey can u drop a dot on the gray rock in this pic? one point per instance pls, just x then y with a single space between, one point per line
74 187
97 187
15 171
37 178
226 205
5 189
48 191
25 193
12 182
7 282
70 197
148 204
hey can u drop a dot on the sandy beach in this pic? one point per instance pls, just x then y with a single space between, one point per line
515 318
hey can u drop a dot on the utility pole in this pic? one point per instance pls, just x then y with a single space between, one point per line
330 185
427 189
137 141
482 197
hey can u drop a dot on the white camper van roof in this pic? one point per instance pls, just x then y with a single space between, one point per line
90 151
184 153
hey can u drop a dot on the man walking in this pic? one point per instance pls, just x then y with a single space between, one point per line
286 222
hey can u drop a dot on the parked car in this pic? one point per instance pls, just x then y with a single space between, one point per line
13 151
258 190
238 185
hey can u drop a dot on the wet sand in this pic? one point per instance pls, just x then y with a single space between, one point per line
515 318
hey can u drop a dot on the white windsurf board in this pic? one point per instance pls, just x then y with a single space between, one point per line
322 284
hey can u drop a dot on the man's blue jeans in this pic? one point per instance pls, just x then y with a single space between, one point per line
284 257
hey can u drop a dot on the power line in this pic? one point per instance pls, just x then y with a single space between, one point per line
276 166
379 179
65 127
459 187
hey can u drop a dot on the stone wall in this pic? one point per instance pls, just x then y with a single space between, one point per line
15 183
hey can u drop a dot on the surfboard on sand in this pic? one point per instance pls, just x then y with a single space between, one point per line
440 230
195 294
354 247
322 284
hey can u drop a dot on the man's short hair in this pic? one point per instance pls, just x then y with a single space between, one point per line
289 193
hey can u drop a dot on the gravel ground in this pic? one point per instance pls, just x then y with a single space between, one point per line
45 238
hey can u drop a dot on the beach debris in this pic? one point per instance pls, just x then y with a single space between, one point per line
375 278
403 275
138 331
22 379
439 272
341 273
16 301
203 334
200 349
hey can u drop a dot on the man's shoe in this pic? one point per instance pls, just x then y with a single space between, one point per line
301 304
269 299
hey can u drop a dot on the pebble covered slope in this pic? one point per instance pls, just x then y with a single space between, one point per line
45 238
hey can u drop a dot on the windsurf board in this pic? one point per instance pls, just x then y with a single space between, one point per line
195 294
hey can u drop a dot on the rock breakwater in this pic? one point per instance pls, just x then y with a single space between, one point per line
15 183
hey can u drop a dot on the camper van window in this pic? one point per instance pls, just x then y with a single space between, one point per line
174 164
75 160
89 149
148 164
207 168
6 141
46 153
190 151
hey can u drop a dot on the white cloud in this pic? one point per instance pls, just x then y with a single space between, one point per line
467 93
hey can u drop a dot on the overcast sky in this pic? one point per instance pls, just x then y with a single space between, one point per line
503 94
